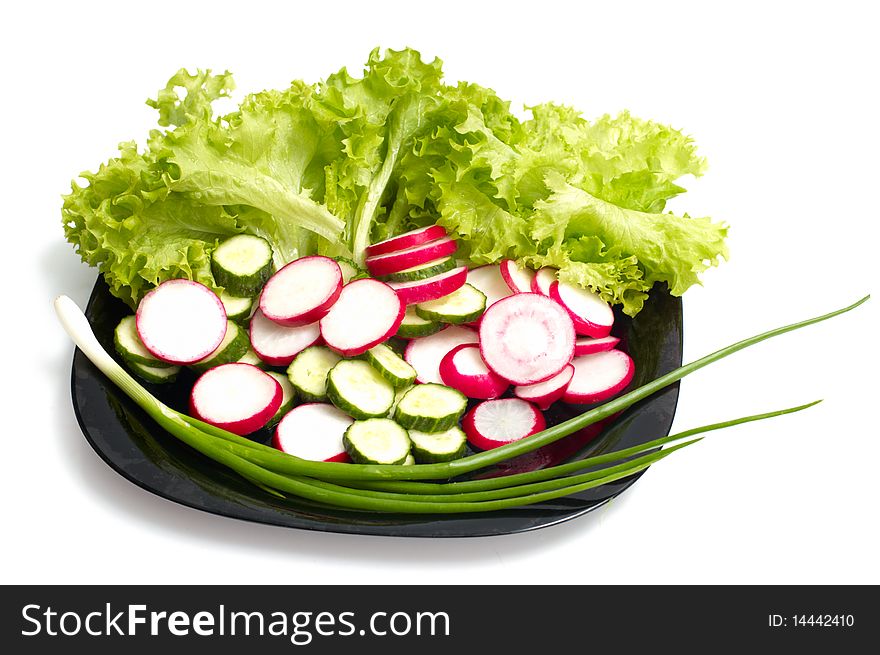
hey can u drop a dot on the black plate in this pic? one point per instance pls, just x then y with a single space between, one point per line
138 449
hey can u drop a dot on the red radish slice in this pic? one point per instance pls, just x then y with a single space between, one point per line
278 345
400 260
543 279
494 423
592 316
518 278
181 321
588 346
431 288
313 431
463 368
599 377
526 338
489 281
239 398
302 292
367 313
548 392
425 353
406 240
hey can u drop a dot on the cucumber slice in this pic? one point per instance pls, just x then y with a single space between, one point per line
432 447
398 395
391 366
154 374
461 306
409 461
288 397
130 347
376 441
250 357
430 408
414 326
423 271
237 309
234 346
358 390
308 373
350 270
242 264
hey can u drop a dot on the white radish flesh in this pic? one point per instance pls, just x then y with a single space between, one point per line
406 240
278 345
488 280
589 346
543 279
432 288
518 278
599 377
592 316
463 368
313 431
181 321
544 394
302 292
494 423
526 338
239 398
425 353
367 313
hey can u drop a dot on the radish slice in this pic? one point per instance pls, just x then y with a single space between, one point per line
488 280
406 240
518 278
526 338
431 288
598 377
463 368
278 345
367 313
425 353
588 346
181 321
313 431
494 423
302 292
239 398
400 260
592 316
548 392
543 279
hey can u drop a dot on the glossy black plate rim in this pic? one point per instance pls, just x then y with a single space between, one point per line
115 446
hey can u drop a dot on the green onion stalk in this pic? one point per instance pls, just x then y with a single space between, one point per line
425 488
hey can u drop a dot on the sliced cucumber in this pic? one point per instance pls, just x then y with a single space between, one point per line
234 346
308 373
237 309
250 357
130 347
391 366
461 306
242 264
422 271
410 460
414 326
154 374
430 408
432 447
376 441
288 397
398 394
358 390
350 270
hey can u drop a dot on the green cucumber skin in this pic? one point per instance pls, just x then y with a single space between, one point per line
396 382
427 457
422 273
359 458
234 350
414 331
141 371
355 412
132 358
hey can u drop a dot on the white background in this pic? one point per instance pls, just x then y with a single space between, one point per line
781 98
